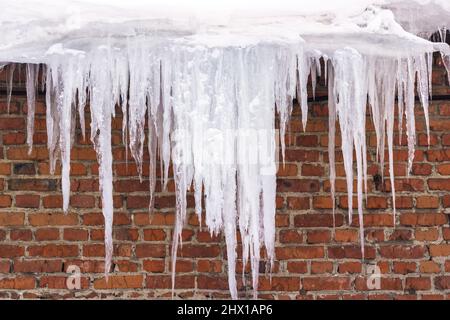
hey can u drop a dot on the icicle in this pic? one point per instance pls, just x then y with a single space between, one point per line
32 74
422 67
102 107
285 89
446 62
409 104
138 102
52 118
65 103
443 34
401 78
9 84
332 136
351 89
389 93
304 67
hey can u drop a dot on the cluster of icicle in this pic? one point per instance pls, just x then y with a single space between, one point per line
212 113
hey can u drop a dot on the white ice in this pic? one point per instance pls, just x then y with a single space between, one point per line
210 79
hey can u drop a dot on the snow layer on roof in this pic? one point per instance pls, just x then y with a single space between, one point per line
209 77
29 27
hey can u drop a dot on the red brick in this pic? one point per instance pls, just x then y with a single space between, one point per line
5 201
126 234
429 234
5 168
312 170
154 266
421 169
297 267
46 234
209 266
38 266
75 234
52 201
60 282
376 203
346 235
53 250
442 282
443 169
317 220
402 251
154 235
439 250
429 267
386 283
297 185
427 202
303 252
403 267
5 267
21 235
53 219
27 201
350 267
324 202
350 252
14 138
12 123
82 201
11 219
298 203
18 283
326 283
287 170
439 184
319 267
198 251
150 250
181 282
423 219
9 251
318 236
93 250
291 236
32 184
418 283
284 284
119 282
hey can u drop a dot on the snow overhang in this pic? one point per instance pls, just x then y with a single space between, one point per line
202 73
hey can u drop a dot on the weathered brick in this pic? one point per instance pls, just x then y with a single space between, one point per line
27 201
18 283
53 250
326 283
11 218
438 250
52 219
299 252
32 184
119 282
402 251
46 234
37 266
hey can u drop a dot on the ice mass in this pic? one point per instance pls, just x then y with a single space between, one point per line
211 79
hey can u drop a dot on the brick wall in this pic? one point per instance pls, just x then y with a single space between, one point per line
314 260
